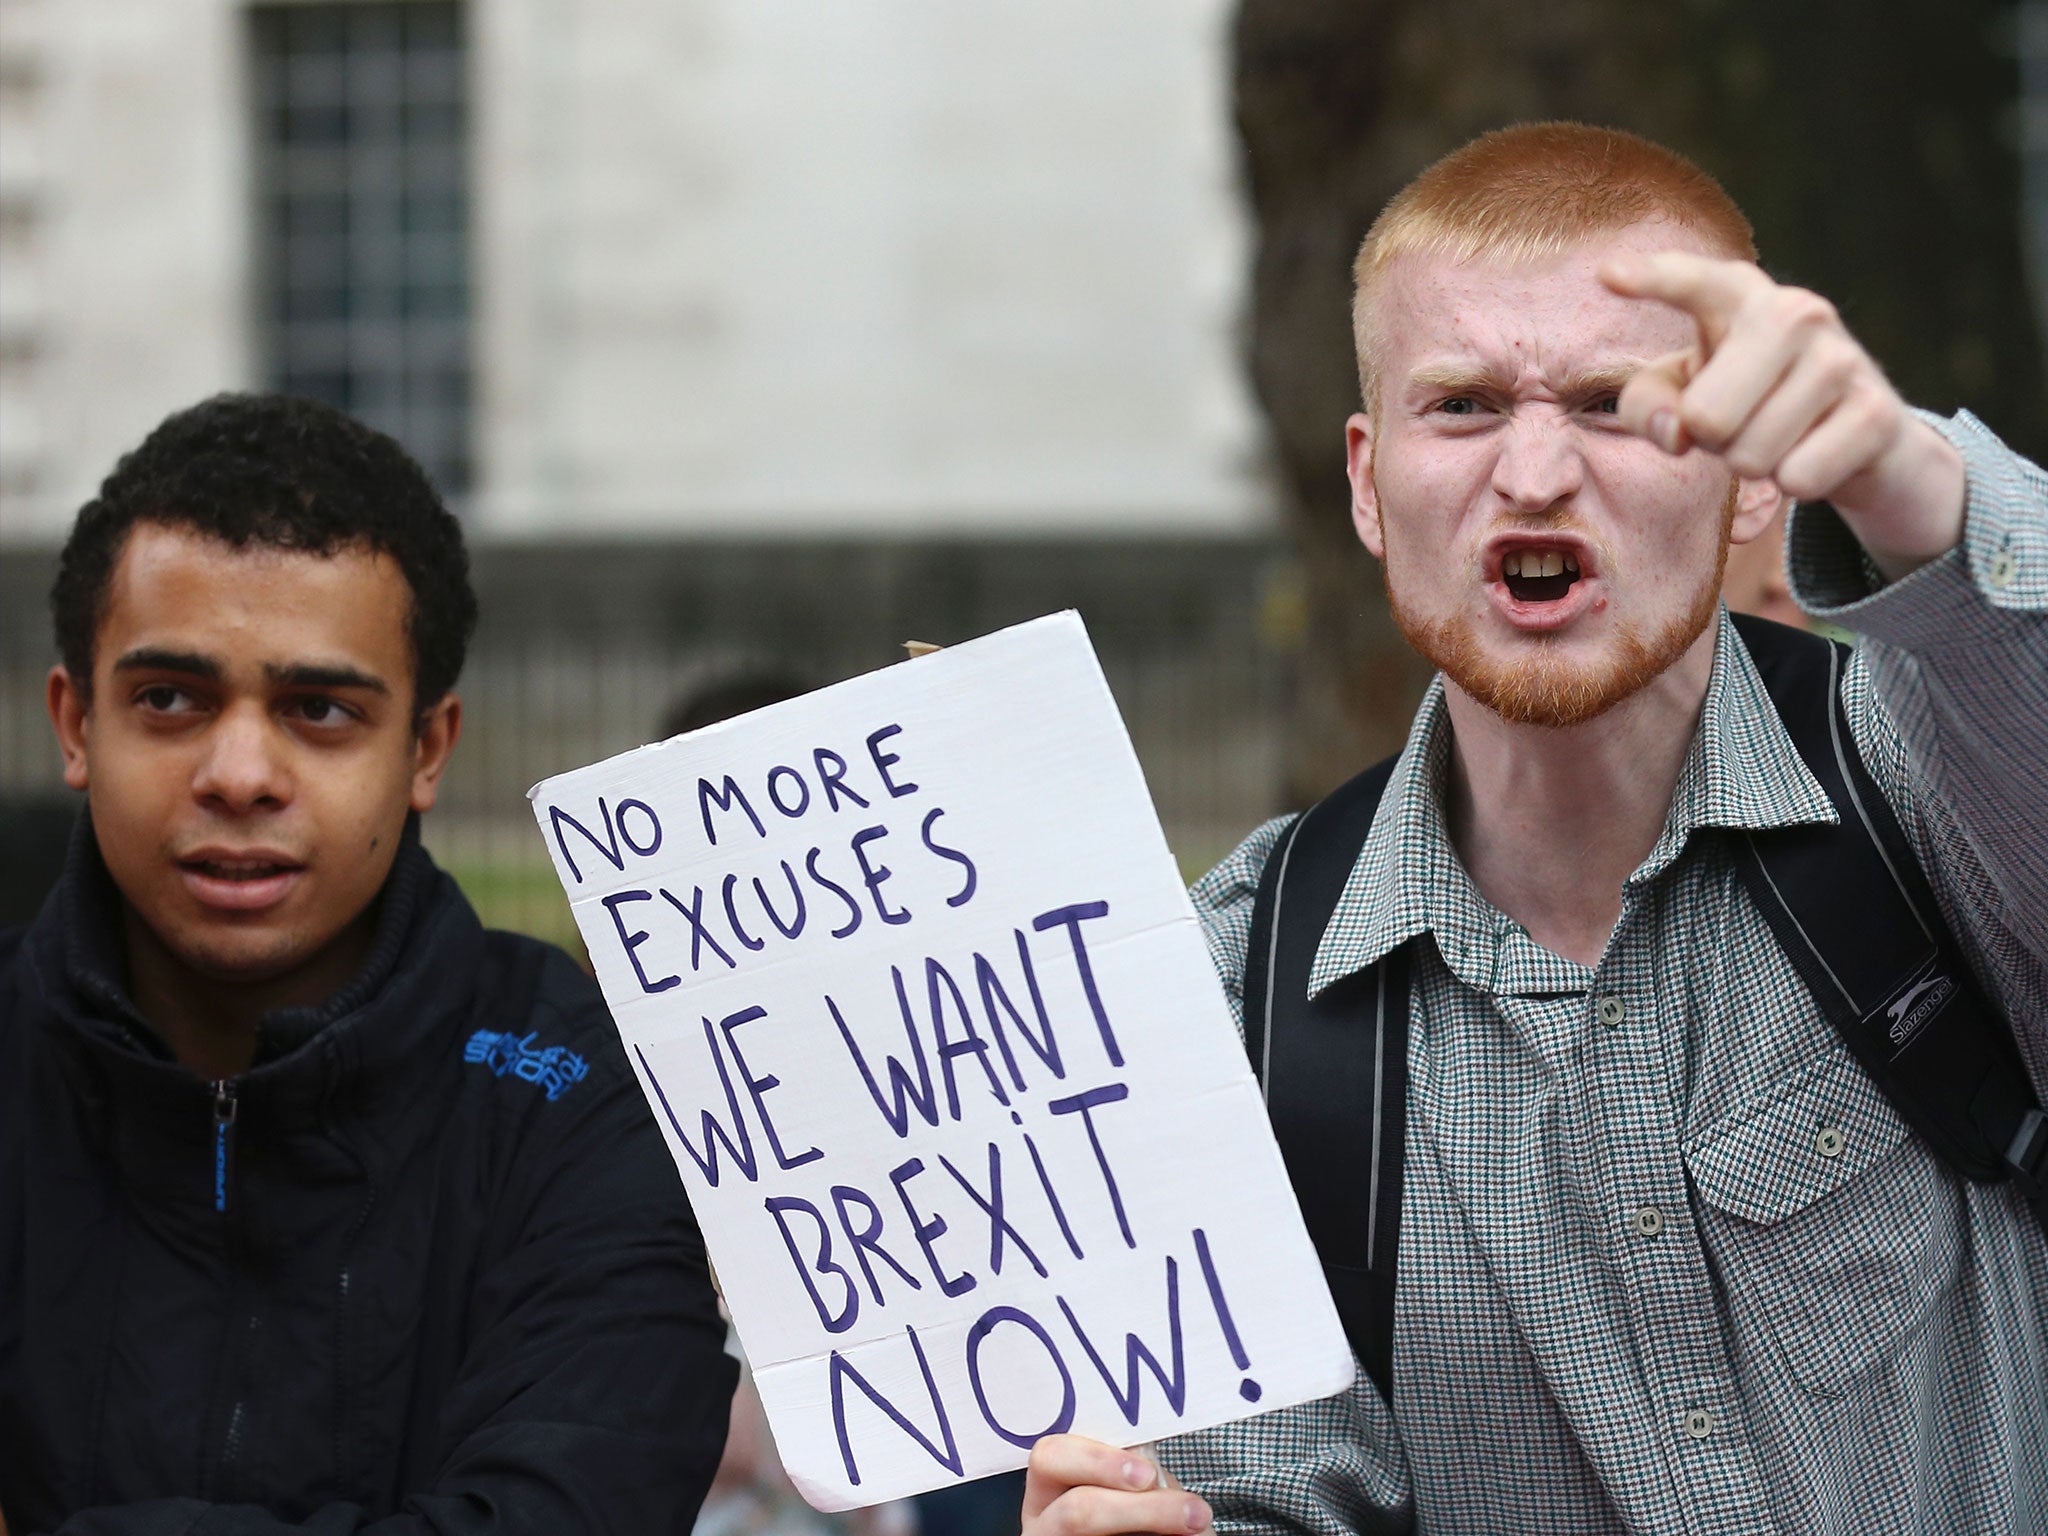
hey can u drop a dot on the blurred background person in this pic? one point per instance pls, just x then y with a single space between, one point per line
752 1495
1754 581
736 689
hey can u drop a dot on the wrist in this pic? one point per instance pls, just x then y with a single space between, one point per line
1907 509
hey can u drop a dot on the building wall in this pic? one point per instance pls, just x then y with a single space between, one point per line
741 266
121 245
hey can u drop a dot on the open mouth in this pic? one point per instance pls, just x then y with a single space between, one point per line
227 882
1539 575
237 869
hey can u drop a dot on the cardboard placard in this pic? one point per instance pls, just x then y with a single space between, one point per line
909 978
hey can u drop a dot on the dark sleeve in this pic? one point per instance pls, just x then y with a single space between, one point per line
594 1388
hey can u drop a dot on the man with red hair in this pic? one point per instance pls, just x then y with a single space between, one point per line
1670 1258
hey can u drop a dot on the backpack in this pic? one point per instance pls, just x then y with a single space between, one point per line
1882 966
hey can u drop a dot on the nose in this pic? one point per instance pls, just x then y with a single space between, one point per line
244 767
1539 464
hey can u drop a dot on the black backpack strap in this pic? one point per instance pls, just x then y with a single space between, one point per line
1855 914
1335 1067
1848 903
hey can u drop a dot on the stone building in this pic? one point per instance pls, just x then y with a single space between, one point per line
737 329
649 267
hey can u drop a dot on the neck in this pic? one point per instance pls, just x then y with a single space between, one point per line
209 1022
1551 821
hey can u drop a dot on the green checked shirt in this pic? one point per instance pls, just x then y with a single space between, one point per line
1669 1260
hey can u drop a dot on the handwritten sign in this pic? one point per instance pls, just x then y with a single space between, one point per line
909 979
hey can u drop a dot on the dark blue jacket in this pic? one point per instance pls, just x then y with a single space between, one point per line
455 1286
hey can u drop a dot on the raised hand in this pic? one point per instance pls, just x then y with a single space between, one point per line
1777 387
1081 1487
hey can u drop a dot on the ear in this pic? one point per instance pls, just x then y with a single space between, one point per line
68 711
1365 496
1757 505
433 745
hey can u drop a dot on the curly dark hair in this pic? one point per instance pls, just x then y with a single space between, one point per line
279 471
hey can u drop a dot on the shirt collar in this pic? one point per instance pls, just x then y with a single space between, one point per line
1742 772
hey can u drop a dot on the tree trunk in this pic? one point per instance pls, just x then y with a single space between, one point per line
1870 143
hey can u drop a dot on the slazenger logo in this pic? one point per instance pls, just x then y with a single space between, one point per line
1923 997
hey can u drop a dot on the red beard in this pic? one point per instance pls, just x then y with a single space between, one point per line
1547 688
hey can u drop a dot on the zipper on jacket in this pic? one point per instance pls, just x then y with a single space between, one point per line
224 1107
239 1359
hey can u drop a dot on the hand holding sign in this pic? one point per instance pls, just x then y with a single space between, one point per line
1082 1487
1778 388
917 999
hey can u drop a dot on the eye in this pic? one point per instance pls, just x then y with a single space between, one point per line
1459 405
1607 405
165 699
319 710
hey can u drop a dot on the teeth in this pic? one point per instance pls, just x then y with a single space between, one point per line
1534 563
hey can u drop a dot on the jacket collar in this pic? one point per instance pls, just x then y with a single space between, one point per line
1742 771
422 958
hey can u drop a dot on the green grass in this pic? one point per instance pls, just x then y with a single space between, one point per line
523 896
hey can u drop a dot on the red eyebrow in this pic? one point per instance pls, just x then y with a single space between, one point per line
1456 379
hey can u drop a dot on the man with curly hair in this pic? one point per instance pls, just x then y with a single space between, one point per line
322 1208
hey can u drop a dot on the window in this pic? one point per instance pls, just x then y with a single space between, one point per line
362 217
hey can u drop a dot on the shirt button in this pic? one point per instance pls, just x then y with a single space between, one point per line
1829 1142
1649 1221
1611 1011
2001 569
1699 1423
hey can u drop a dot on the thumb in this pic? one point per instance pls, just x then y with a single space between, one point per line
1648 406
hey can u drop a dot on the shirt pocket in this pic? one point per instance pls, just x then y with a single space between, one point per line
1833 1227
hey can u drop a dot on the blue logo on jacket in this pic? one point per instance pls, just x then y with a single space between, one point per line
554 1068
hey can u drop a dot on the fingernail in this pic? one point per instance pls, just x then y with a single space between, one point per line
1198 1515
1138 1474
1664 431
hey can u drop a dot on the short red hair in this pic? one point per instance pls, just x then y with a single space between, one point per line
1534 190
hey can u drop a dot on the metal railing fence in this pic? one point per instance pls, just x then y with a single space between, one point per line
584 648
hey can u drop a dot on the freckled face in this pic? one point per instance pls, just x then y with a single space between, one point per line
1548 561
249 750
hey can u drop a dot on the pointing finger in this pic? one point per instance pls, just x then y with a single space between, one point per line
1650 402
1708 288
